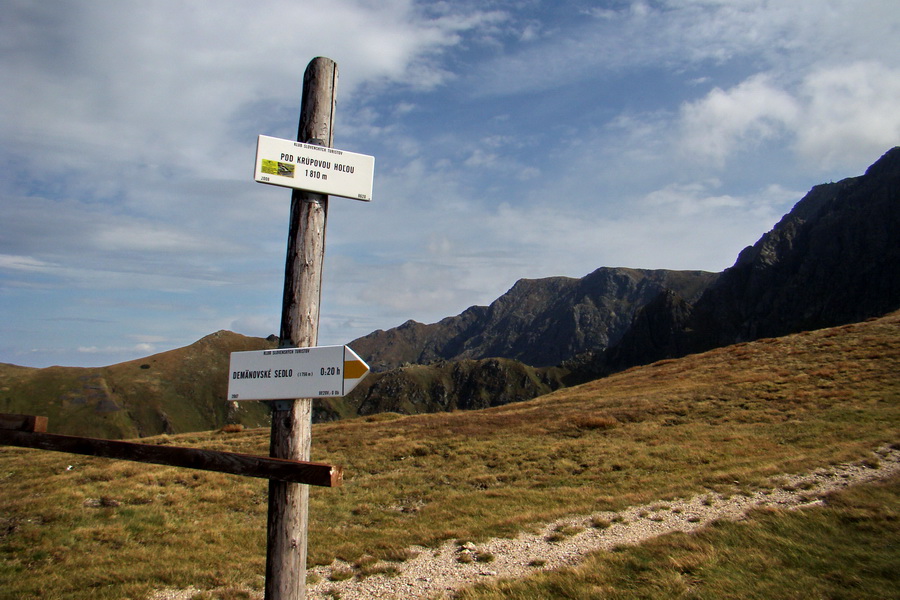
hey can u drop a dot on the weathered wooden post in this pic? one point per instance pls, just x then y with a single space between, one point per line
292 419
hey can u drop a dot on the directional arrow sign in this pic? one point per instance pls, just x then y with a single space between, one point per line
317 372
314 168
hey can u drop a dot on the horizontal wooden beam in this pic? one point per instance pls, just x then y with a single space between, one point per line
249 465
23 422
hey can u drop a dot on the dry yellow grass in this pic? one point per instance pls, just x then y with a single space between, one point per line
725 420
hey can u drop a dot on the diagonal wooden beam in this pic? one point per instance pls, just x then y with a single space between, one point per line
249 465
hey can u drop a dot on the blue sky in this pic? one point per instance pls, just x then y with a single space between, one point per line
512 139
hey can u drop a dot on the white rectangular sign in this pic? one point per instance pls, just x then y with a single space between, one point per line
317 372
314 168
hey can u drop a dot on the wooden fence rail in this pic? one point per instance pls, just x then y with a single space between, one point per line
26 431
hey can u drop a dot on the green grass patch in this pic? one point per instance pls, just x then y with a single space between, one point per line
563 532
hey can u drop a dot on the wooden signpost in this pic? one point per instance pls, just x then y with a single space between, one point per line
313 168
292 419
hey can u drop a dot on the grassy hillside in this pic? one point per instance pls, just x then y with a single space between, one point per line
172 392
725 420
445 386
184 390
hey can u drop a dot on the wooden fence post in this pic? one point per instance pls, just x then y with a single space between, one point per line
292 419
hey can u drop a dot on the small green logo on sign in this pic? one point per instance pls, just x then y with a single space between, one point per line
273 167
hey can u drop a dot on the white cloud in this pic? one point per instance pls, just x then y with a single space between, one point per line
850 112
161 83
23 263
691 199
747 114
256 325
136 350
836 117
125 237
685 35
148 339
679 226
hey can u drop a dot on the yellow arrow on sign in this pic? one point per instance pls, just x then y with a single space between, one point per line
354 369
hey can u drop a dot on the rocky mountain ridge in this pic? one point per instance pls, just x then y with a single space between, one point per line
540 322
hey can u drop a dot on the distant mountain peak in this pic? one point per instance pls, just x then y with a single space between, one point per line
540 322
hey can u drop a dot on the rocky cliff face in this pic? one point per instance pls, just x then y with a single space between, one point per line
834 259
653 335
539 322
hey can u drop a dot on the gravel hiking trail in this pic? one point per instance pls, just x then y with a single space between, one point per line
437 572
